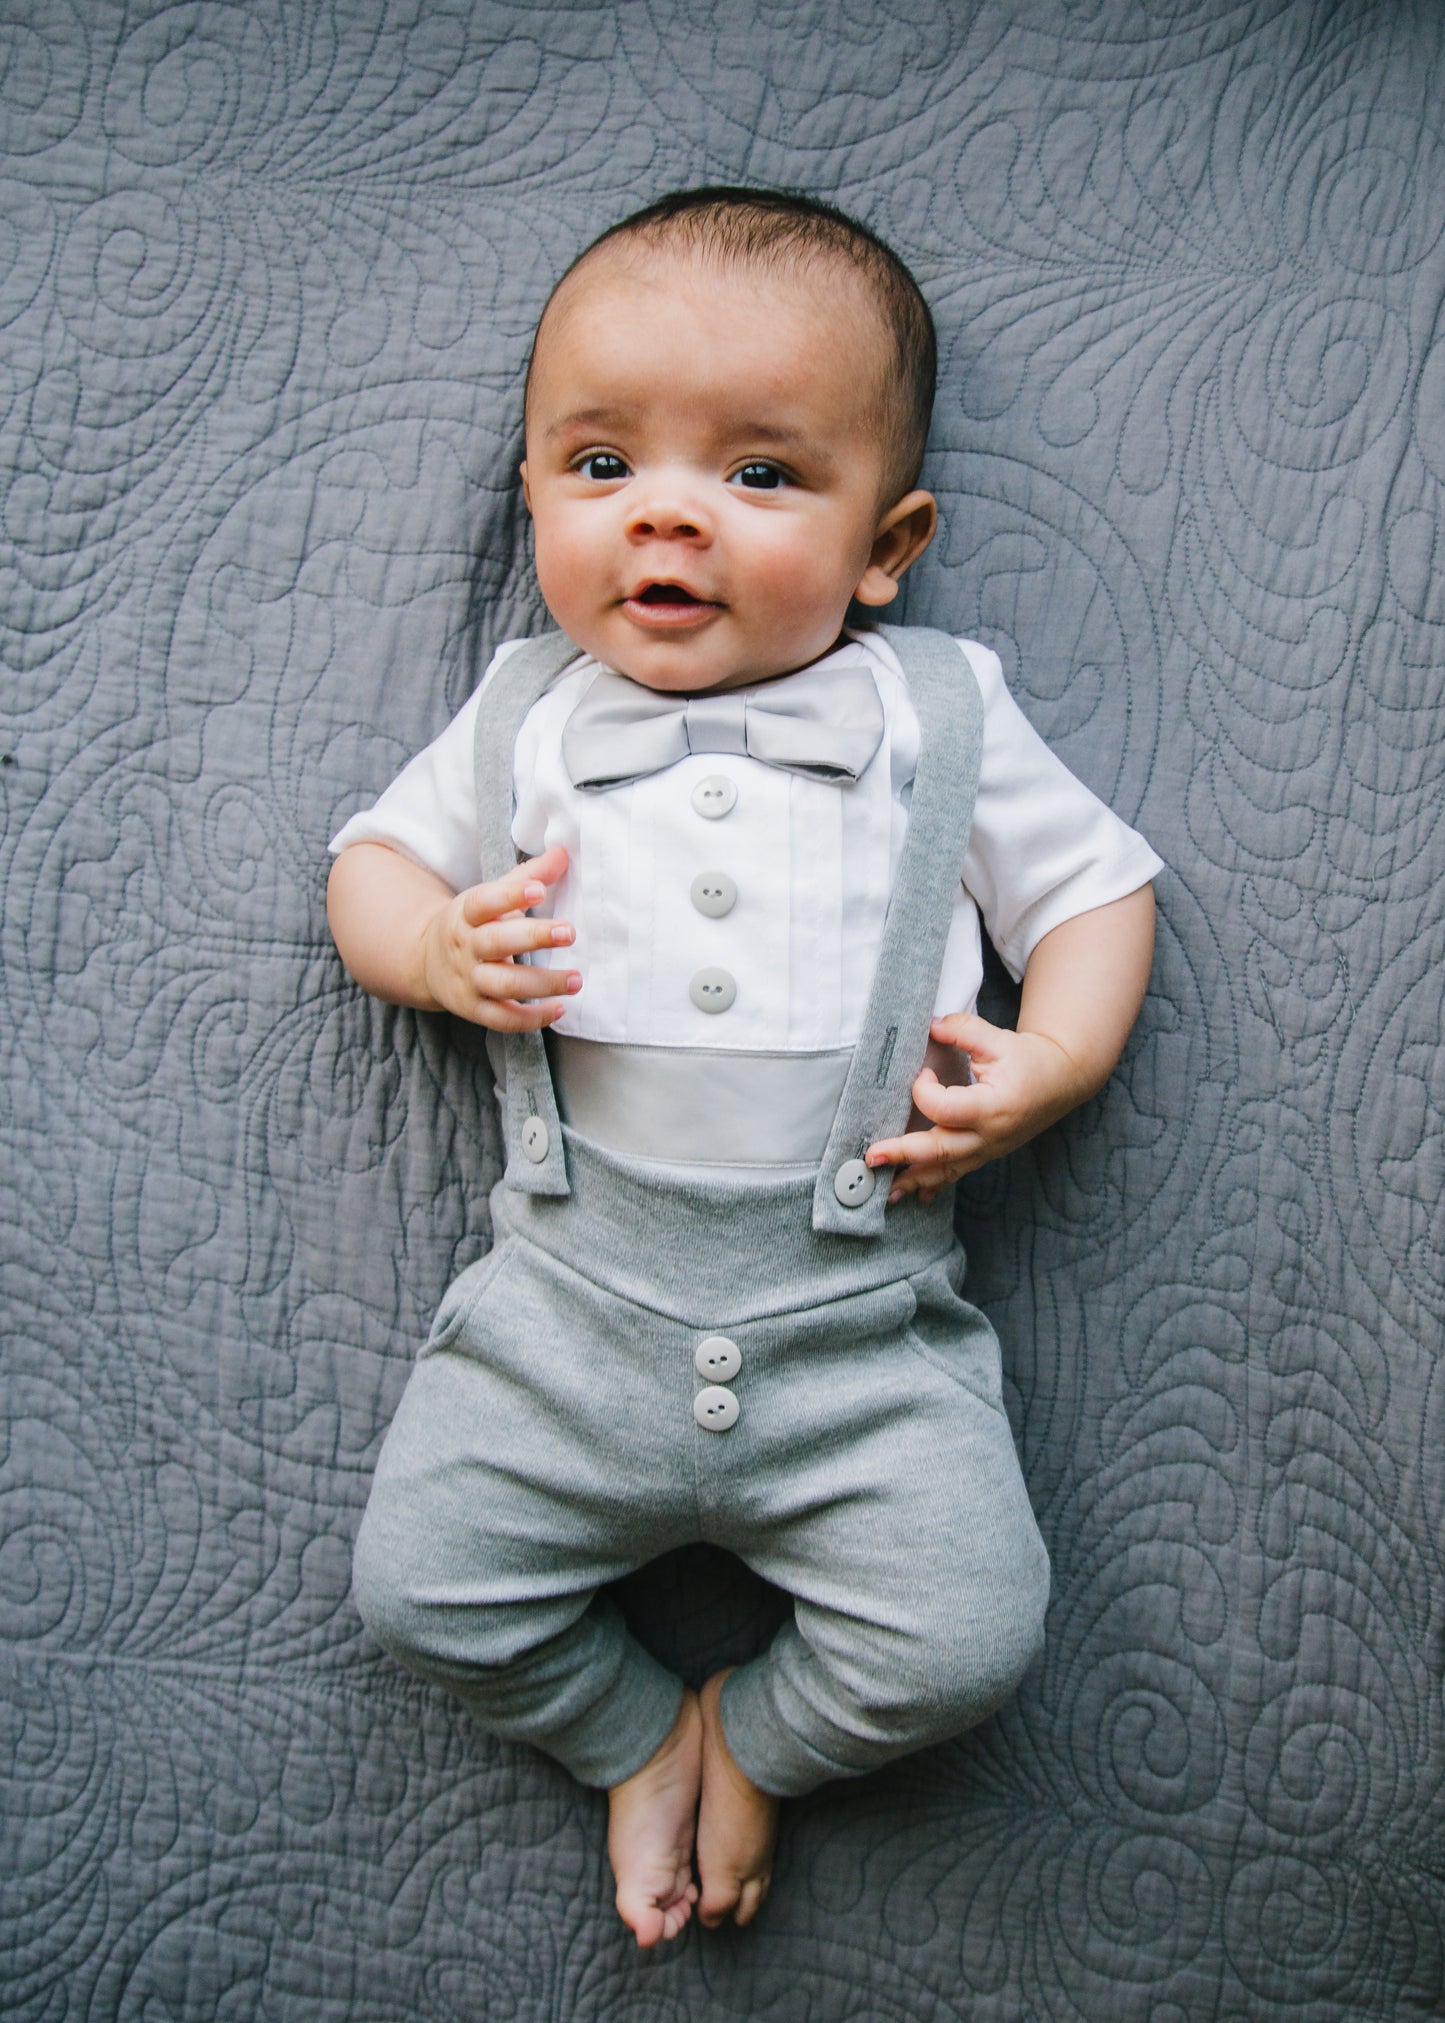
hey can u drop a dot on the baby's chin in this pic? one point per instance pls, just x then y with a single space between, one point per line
683 667
681 673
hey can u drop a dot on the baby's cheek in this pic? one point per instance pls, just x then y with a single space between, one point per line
566 569
799 594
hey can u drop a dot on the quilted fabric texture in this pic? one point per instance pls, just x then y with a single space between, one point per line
269 273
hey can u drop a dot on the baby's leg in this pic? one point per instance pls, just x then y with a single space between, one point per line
513 1483
885 1496
524 1691
533 1653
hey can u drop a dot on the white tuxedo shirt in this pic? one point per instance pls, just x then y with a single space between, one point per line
812 862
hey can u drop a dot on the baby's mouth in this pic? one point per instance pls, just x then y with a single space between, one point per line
667 604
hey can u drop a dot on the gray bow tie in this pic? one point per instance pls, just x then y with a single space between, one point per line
825 724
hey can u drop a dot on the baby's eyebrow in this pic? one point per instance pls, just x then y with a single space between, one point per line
769 434
588 417
797 444
777 433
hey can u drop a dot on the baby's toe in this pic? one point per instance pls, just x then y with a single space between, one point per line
750 1899
675 1917
731 1895
644 1920
718 1895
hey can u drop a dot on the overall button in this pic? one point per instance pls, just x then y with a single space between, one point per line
535 1140
714 894
718 1359
715 1409
712 990
715 796
853 1183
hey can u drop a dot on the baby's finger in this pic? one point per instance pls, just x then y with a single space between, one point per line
957 1105
921 1148
520 934
924 1181
966 1030
502 1017
927 1180
482 904
516 890
941 1168
519 981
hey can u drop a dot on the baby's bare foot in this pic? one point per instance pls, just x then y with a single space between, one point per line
652 1820
736 1828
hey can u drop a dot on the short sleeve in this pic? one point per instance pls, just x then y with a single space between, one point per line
429 812
1043 848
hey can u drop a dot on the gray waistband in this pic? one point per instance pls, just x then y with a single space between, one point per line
712 1247
694 1106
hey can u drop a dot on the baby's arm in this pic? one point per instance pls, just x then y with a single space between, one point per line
1082 990
407 937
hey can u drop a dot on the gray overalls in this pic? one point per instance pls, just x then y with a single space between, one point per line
648 1357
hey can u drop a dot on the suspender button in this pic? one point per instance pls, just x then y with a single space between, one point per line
853 1183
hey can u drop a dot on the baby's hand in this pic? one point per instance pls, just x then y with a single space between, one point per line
1022 1083
469 946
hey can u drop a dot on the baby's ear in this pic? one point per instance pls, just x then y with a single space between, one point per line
903 533
526 488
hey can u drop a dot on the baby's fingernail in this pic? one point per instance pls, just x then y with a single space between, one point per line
896 1195
561 934
532 892
574 979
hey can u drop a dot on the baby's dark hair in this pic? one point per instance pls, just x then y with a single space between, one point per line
777 229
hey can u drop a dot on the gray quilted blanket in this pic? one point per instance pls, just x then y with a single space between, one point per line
267 278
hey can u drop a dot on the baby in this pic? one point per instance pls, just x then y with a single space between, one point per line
709 1311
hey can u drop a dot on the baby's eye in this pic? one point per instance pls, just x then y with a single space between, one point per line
760 477
603 467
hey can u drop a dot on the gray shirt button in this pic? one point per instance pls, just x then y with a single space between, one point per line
712 990
853 1183
715 1409
715 796
718 1359
714 894
535 1140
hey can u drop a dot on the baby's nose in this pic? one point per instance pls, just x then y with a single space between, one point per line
667 512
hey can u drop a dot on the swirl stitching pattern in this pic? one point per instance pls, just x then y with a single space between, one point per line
268 275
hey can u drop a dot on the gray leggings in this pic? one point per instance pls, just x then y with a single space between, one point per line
547 1444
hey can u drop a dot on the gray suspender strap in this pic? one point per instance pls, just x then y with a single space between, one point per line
847 1200
524 676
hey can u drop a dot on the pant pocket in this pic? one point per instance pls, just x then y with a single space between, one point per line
953 1336
460 1299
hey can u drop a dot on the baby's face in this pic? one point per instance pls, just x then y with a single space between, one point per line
704 467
